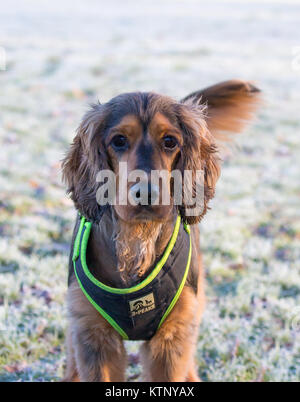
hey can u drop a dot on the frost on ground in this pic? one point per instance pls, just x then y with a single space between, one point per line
62 55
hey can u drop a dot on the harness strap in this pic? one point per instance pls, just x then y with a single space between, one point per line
137 312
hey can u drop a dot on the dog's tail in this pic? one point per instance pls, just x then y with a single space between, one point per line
230 105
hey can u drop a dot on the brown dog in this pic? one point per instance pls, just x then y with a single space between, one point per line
149 132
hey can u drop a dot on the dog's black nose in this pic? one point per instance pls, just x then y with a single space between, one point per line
143 193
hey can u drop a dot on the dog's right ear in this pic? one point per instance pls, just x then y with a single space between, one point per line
85 158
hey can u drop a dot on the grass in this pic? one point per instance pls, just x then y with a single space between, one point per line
251 236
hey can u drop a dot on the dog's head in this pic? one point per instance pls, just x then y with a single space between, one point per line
151 137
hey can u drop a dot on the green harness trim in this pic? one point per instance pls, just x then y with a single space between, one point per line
79 252
178 293
101 311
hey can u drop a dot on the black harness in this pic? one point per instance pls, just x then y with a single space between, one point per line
137 312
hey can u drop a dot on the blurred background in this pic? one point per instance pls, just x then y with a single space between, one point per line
57 57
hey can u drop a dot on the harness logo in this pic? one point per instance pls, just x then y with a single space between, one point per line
142 305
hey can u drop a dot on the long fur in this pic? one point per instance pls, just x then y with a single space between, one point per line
135 247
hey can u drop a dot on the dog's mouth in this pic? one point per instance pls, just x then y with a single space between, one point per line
144 213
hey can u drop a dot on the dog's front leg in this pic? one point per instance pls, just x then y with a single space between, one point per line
97 349
169 355
99 359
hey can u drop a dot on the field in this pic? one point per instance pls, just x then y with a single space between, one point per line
61 56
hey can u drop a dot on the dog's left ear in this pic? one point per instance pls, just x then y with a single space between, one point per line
206 116
198 155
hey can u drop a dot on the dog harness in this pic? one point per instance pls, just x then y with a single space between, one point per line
139 311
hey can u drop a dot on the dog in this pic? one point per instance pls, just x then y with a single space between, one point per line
126 245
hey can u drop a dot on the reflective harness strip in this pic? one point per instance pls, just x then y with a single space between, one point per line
137 312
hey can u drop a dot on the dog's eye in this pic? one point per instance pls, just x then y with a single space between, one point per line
170 142
119 142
